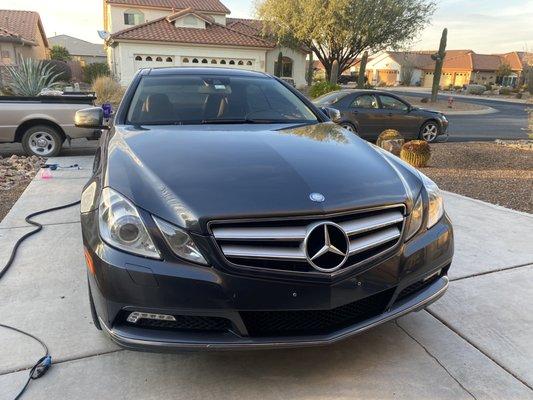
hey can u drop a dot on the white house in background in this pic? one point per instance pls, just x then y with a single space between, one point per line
159 33
386 67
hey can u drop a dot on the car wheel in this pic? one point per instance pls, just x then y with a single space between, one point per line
429 131
94 315
42 141
349 127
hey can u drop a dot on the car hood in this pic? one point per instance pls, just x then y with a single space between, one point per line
189 175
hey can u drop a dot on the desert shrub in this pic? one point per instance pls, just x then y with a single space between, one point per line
321 88
388 134
425 100
61 68
382 84
505 91
416 152
107 90
475 89
93 71
60 53
518 95
488 87
30 77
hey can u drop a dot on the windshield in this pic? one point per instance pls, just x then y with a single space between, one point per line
193 99
330 98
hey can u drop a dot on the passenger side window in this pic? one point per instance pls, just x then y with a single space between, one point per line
365 101
392 103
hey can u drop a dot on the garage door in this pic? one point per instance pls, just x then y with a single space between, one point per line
153 61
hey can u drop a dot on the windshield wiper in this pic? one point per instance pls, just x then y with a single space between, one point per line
228 121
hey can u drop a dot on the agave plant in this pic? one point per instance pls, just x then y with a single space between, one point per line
30 77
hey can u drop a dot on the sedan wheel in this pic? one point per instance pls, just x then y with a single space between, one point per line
349 127
429 131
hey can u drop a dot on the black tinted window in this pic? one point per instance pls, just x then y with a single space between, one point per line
392 103
189 99
365 101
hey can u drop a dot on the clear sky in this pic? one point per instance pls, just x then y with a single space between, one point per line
485 26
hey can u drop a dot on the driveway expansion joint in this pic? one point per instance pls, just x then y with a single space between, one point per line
436 360
503 269
486 354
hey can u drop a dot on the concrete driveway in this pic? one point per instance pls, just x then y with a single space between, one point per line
474 343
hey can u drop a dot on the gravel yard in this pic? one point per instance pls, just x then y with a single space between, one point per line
442 105
486 171
16 172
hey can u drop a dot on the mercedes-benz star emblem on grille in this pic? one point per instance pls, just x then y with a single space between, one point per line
317 197
326 247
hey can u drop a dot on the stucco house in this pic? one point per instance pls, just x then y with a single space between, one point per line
461 67
159 33
21 34
80 50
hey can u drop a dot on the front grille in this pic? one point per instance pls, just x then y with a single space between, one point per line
279 244
416 287
182 323
314 322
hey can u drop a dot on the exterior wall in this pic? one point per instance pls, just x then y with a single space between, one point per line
383 69
483 78
116 16
123 64
299 62
85 60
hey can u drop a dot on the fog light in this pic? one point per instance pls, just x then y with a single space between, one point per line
135 316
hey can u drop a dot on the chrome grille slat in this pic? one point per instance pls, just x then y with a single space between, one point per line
281 244
355 227
373 240
279 253
255 233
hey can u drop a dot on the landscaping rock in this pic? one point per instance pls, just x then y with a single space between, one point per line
17 170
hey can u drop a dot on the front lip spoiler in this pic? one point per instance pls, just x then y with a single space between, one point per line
136 342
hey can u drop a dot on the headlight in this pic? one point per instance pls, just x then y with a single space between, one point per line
416 218
121 226
180 242
444 118
436 205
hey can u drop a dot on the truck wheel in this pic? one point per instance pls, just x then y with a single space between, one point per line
42 141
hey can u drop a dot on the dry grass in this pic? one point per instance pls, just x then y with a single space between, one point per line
108 90
485 171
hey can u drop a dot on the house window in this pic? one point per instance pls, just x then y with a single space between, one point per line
169 59
195 61
223 62
138 58
204 61
232 62
149 58
249 63
241 62
213 61
159 59
185 60
286 67
133 17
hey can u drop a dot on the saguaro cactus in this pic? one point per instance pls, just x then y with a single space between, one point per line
334 76
362 69
439 61
310 71
279 66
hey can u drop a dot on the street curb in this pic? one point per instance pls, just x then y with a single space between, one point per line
489 110
494 206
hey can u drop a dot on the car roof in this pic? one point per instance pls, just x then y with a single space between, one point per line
203 71
367 91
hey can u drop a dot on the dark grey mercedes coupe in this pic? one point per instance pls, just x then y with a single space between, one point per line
227 211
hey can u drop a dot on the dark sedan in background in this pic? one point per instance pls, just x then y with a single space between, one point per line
370 112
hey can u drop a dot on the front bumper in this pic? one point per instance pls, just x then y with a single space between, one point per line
123 283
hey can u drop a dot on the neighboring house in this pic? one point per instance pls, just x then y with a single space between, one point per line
461 67
21 34
82 51
158 33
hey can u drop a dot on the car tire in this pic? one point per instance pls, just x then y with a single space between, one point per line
349 127
429 131
94 315
42 141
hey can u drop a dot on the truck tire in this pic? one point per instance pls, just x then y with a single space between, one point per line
42 141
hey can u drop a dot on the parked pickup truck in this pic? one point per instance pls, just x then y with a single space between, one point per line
43 123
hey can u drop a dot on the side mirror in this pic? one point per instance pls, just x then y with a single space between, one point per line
332 113
91 118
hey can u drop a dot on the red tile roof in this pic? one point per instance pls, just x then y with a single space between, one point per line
161 30
187 11
22 25
201 5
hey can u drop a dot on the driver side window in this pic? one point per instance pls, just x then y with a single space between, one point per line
391 103
365 101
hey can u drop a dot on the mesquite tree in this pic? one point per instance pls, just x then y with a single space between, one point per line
362 69
341 30
439 61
